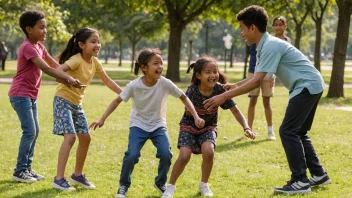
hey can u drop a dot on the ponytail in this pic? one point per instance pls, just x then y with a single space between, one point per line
222 78
71 49
190 67
136 68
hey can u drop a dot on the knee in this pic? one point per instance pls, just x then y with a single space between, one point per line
70 140
208 154
85 138
166 154
184 159
132 156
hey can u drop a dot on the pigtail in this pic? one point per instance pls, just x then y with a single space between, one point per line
222 78
136 68
69 51
190 67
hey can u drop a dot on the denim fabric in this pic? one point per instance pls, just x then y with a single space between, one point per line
26 109
68 118
136 140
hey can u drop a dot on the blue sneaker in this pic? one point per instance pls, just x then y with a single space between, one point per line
122 192
293 187
35 175
81 180
320 180
62 184
23 176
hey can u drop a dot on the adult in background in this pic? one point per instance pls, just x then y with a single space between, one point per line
3 54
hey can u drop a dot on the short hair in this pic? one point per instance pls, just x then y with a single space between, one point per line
30 18
254 15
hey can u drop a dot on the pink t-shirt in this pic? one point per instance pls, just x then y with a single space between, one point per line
29 76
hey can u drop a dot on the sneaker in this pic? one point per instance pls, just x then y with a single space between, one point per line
122 192
81 180
271 135
169 192
62 184
293 187
35 175
160 187
23 176
322 180
205 190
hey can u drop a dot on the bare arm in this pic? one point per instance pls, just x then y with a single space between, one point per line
113 105
53 72
243 122
51 62
197 120
109 82
244 88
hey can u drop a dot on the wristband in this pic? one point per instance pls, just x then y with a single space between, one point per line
247 128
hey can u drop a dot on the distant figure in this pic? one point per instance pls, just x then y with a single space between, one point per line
3 54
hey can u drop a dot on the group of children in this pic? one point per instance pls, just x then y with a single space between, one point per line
75 70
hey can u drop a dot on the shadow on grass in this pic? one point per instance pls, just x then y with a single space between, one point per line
238 143
336 101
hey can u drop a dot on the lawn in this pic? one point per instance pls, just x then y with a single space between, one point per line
242 168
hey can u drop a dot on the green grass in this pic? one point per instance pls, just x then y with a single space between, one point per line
242 168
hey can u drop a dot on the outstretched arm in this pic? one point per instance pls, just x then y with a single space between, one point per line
245 88
243 122
114 104
197 120
109 82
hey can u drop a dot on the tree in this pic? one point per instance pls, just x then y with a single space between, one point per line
317 13
341 41
180 13
297 16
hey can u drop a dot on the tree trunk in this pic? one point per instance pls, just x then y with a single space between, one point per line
190 52
107 54
298 35
174 51
121 53
341 41
231 56
206 38
317 51
133 53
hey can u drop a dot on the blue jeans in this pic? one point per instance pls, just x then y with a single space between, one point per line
136 140
26 109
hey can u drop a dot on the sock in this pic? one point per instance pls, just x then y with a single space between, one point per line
201 183
270 129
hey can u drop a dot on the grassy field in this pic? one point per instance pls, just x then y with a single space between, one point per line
242 168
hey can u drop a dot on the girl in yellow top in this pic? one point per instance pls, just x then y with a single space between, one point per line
78 60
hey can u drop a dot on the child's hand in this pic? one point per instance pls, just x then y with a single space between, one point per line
96 124
229 86
249 134
199 122
74 82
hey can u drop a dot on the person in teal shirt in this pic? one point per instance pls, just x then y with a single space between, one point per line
305 85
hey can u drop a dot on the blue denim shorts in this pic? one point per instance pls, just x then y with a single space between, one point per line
68 118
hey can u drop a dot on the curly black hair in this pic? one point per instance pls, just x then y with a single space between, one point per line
30 18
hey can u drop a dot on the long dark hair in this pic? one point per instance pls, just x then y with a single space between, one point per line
72 47
198 67
144 57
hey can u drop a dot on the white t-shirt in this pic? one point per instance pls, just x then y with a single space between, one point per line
149 103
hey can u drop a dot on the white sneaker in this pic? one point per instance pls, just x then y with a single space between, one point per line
271 135
205 190
169 192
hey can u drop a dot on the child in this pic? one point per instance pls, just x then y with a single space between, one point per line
280 25
32 60
306 86
195 140
148 117
267 86
79 60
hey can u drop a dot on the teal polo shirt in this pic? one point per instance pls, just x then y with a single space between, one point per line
290 65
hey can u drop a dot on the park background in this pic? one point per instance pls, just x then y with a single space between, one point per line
183 30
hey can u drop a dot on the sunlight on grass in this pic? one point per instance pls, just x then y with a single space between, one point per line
242 168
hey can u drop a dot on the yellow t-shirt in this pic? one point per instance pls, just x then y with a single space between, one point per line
82 71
